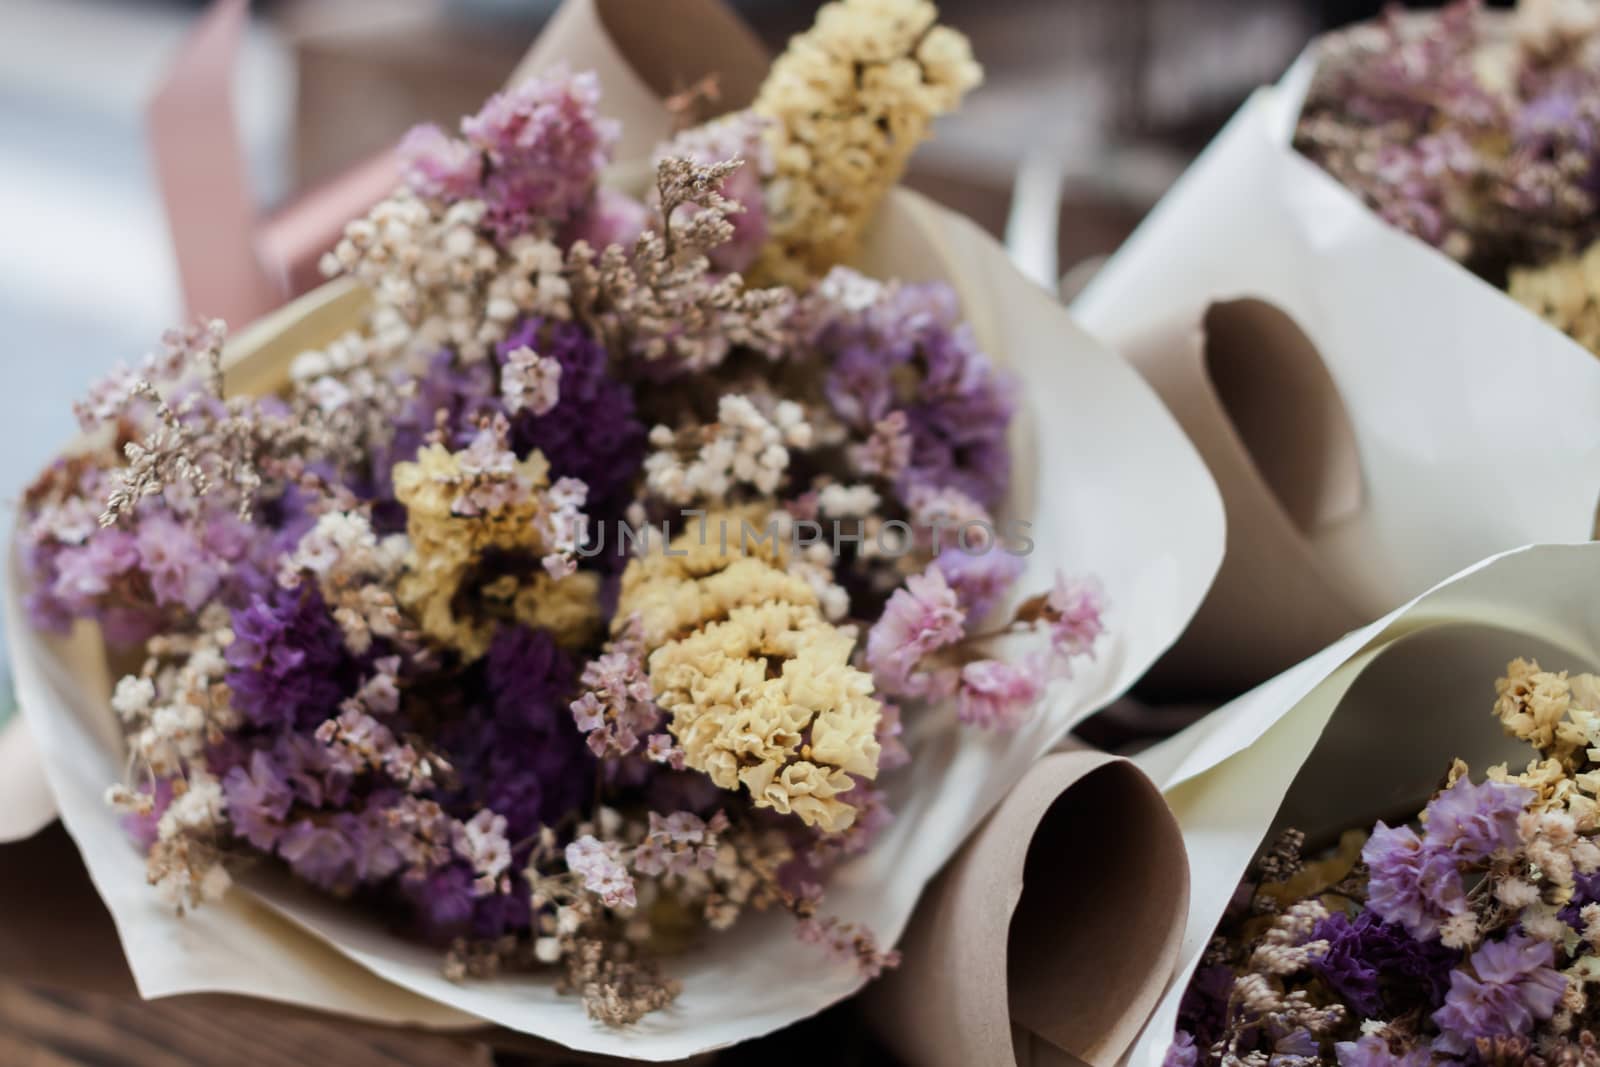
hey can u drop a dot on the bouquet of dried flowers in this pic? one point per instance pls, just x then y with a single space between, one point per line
1471 934
568 607
1476 132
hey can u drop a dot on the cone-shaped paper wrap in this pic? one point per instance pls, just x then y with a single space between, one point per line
1052 933
1365 729
1106 477
1427 360
1254 396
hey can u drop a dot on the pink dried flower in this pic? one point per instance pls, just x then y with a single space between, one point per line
598 864
617 706
438 166
920 618
1075 609
678 843
995 695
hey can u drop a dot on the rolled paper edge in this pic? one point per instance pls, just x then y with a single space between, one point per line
1273 602
1017 949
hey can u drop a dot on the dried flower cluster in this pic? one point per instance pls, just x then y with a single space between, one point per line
1472 936
847 103
1476 132
515 617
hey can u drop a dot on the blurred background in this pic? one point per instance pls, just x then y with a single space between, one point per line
1116 95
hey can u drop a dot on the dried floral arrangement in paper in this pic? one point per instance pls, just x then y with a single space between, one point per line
567 610
1478 132
1470 935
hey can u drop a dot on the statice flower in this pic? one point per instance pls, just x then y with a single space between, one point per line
1371 963
514 750
1508 986
1181 1053
919 619
1412 882
287 664
440 167
996 694
679 843
1476 821
981 580
617 707
529 381
259 797
904 348
1373 1051
320 853
599 865
1075 607
533 154
737 136
591 433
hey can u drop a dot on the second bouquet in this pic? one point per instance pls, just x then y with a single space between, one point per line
556 598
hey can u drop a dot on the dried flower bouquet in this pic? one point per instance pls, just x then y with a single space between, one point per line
1476 132
577 597
1470 935
607 567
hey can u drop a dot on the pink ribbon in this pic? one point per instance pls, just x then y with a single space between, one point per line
233 263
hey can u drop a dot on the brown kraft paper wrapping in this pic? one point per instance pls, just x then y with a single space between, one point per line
1052 933
1252 393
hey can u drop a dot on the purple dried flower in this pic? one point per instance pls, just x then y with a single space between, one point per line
981 579
903 348
442 901
438 166
1476 820
617 707
1506 987
1377 967
319 853
1076 607
1203 1010
142 827
599 865
180 570
287 664
515 751
612 217
1373 1051
892 751
259 797
1411 882
592 433
1182 1051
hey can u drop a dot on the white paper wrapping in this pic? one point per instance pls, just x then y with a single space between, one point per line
26 805
1112 487
1366 728
1477 424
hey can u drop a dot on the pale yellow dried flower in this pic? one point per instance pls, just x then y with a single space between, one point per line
448 545
758 683
850 100
1532 705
